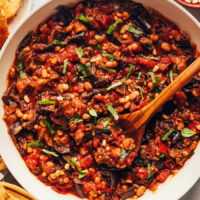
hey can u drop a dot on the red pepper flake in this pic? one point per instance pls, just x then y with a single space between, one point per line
163 175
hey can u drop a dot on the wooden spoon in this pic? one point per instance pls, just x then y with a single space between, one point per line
134 124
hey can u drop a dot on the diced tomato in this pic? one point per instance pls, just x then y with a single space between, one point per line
32 160
96 142
86 162
163 175
104 20
193 125
149 63
102 99
181 97
71 52
162 147
170 164
142 173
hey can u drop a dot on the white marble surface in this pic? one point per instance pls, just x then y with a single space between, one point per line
194 193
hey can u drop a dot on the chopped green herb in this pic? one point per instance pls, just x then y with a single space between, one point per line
111 28
80 52
123 154
167 134
186 132
93 132
57 42
72 161
92 112
112 111
131 29
147 43
84 67
99 47
127 76
55 139
113 86
46 102
108 69
191 154
106 122
149 171
50 153
37 143
150 57
65 66
117 127
141 92
78 121
83 173
157 80
171 76
152 77
111 57
139 76
83 18
162 155
151 97
86 75
74 117
20 66
48 126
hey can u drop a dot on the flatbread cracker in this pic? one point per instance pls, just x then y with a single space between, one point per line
10 7
3 28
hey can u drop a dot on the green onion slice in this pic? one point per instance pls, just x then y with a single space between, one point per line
152 77
83 18
149 171
127 76
74 117
83 173
93 112
57 42
72 161
111 57
20 66
37 143
171 76
167 134
131 29
48 126
84 67
50 153
65 66
114 85
108 69
99 47
112 111
139 76
186 132
86 75
46 102
78 121
141 92
111 28
150 57
106 122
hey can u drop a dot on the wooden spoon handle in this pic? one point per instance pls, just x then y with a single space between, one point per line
141 117
176 85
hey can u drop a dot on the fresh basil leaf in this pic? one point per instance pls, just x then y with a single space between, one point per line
80 52
93 112
186 132
112 111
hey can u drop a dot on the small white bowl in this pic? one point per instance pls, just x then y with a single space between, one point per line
173 188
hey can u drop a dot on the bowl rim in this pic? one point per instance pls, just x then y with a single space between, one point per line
27 186
196 5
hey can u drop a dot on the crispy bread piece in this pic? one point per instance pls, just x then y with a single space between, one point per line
3 28
10 7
